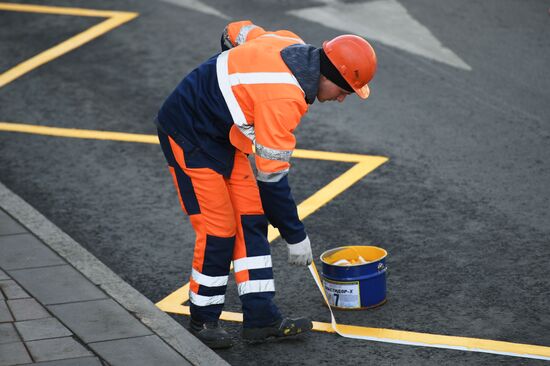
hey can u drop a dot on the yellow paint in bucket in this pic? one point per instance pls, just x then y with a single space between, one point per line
353 254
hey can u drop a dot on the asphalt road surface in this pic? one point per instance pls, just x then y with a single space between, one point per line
462 206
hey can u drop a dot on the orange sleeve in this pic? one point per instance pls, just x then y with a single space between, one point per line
237 33
274 123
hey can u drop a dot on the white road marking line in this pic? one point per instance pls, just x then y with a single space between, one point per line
386 21
198 6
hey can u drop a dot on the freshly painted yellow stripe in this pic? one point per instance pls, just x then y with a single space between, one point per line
444 341
78 133
115 19
404 337
427 339
399 336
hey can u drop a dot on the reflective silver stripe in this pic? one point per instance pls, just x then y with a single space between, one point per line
283 37
226 40
209 281
272 154
248 131
225 87
261 261
201 300
248 287
243 33
271 177
263 78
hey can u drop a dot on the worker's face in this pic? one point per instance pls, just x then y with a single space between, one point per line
330 91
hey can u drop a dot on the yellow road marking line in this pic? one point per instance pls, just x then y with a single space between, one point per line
115 19
403 337
339 185
388 335
78 133
427 339
332 156
366 165
46 9
173 303
153 139
180 296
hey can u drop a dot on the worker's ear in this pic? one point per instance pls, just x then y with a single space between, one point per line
324 83
322 80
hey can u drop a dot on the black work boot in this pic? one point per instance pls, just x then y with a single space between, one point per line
286 327
211 334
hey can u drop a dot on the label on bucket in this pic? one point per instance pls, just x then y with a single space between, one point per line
343 294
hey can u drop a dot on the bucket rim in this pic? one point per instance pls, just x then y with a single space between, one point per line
329 251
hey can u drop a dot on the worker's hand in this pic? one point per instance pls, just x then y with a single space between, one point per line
300 253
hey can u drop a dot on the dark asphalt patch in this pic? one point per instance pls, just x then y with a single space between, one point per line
31 34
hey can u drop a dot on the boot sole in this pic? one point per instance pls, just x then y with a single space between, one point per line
218 345
214 344
262 339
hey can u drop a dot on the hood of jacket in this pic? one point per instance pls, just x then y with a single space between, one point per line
303 60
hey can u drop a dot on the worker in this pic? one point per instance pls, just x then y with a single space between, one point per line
249 98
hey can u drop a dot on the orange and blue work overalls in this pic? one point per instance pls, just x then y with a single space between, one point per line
245 96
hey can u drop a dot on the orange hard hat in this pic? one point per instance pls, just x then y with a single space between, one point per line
355 59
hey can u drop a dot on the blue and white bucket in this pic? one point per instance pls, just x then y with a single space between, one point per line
354 277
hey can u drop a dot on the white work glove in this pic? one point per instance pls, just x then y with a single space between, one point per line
300 253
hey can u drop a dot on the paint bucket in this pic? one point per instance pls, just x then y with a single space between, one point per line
354 277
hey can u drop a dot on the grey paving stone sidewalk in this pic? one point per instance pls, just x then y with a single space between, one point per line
29 333
51 314
59 305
